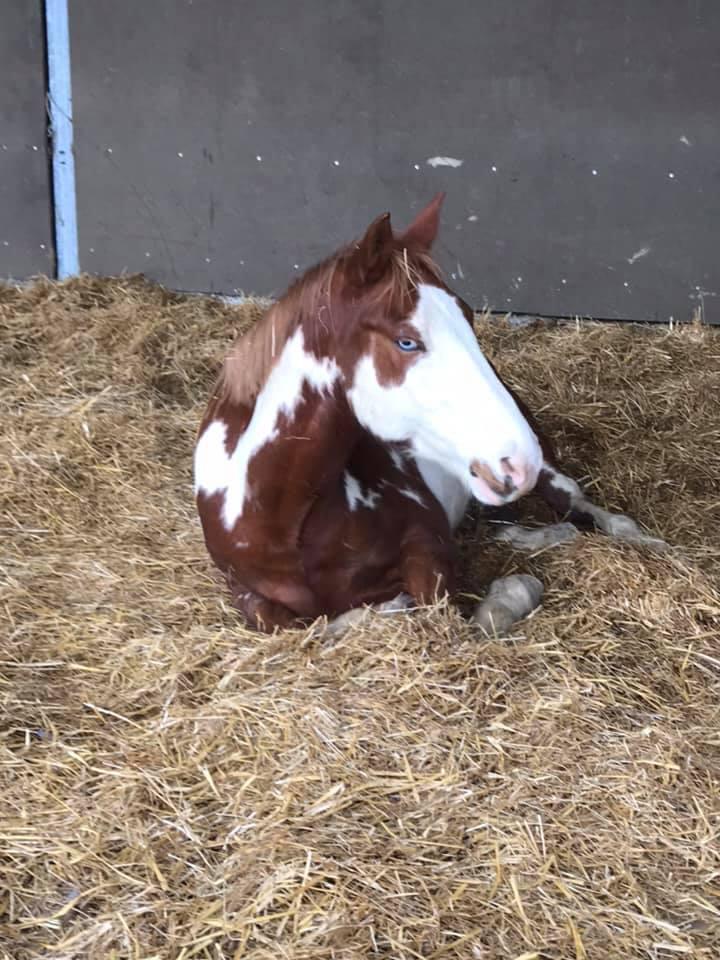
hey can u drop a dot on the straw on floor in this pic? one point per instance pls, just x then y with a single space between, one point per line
173 786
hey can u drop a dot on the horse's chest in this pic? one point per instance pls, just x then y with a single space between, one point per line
357 535
381 479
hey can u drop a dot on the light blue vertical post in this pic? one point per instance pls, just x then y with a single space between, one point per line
57 33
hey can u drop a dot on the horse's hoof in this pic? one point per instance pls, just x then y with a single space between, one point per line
358 615
509 599
624 528
399 604
340 625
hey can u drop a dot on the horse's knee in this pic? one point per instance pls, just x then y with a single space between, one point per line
427 579
262 614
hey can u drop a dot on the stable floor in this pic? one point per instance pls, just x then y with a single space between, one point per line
174 786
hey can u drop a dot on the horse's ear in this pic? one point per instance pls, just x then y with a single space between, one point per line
423 230
370 257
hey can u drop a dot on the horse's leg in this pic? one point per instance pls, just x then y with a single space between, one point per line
358 615
426 574
509 599
536 538
566 497
427 570
259 612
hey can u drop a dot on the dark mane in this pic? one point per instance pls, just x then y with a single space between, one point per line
248 365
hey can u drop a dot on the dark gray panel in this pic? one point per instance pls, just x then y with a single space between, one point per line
221 143
25 212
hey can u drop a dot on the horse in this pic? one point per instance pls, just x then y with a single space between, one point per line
347 433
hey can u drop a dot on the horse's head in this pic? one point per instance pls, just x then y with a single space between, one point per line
414 370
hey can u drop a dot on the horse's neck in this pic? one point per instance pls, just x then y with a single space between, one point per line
299 436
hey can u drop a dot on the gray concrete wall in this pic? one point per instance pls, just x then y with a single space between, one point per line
25 215
224 145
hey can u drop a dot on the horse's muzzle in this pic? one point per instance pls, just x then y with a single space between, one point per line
512 479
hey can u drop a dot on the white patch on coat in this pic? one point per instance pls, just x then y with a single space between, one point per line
215 471
398 459
411 495
451 408
355 497
211 462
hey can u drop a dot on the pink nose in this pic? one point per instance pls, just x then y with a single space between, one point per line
512 478
518 476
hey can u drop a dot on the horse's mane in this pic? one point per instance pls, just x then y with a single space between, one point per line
248 365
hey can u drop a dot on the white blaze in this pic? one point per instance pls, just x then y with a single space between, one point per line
451 407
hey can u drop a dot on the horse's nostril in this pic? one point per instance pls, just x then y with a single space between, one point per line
503 485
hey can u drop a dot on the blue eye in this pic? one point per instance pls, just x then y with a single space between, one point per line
407 344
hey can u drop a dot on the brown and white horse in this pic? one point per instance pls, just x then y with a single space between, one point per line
349 430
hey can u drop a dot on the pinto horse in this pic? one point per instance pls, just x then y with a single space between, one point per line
349 430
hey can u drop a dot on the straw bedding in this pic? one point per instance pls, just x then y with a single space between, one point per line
173 786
